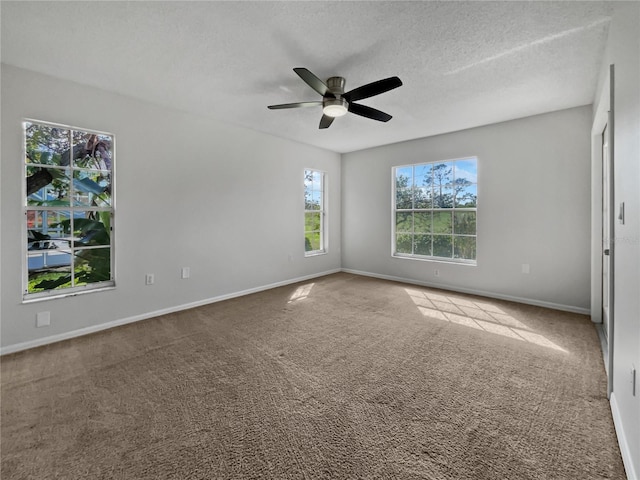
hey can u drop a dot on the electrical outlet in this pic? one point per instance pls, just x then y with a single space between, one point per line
149 278
43 319
186 272
525 268
436 272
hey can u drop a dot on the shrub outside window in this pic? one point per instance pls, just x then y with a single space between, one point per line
435 210
69 210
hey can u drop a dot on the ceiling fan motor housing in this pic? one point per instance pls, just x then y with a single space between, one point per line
336 85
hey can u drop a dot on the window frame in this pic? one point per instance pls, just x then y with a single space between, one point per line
453 209
322 210
103 285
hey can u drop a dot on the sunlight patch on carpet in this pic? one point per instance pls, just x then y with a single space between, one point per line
478 315
301 293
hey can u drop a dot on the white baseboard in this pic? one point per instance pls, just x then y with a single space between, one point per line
471 291
625 450
136 318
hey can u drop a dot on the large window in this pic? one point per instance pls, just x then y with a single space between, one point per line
314 213
435 210
69 210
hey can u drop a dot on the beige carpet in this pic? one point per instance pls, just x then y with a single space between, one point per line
341 377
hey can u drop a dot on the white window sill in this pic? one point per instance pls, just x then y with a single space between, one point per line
315 253
455 261
41 297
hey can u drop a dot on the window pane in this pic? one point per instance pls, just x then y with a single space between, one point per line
422 222
442 246
422 197
466 171
317 181
307 196
443 174
308 179
92 150
404 187
465 247
464 223
92 188
404 177
46 144
92 266
404 243
404 222
467 196
91 228
316 200
45 229
422 185
311 241
403 198
442 222
312 221
422 175
443 185
423 245
442 197
48 187
49 270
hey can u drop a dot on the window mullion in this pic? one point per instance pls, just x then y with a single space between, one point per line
72 193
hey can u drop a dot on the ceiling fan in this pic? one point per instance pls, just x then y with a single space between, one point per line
336 103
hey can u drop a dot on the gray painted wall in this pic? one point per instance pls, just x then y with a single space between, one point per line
623 51
225 201
533 208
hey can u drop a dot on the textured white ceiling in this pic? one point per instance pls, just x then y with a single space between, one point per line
463 64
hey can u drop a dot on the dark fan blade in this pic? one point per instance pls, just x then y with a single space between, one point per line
326 121
295 105
313 81
369 112
371 89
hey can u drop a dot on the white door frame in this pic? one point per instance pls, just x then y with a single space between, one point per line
604 115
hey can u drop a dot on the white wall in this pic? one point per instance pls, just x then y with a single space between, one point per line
623 51
225 201
533 208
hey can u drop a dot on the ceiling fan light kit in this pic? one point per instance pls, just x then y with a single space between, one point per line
335 107
336 103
